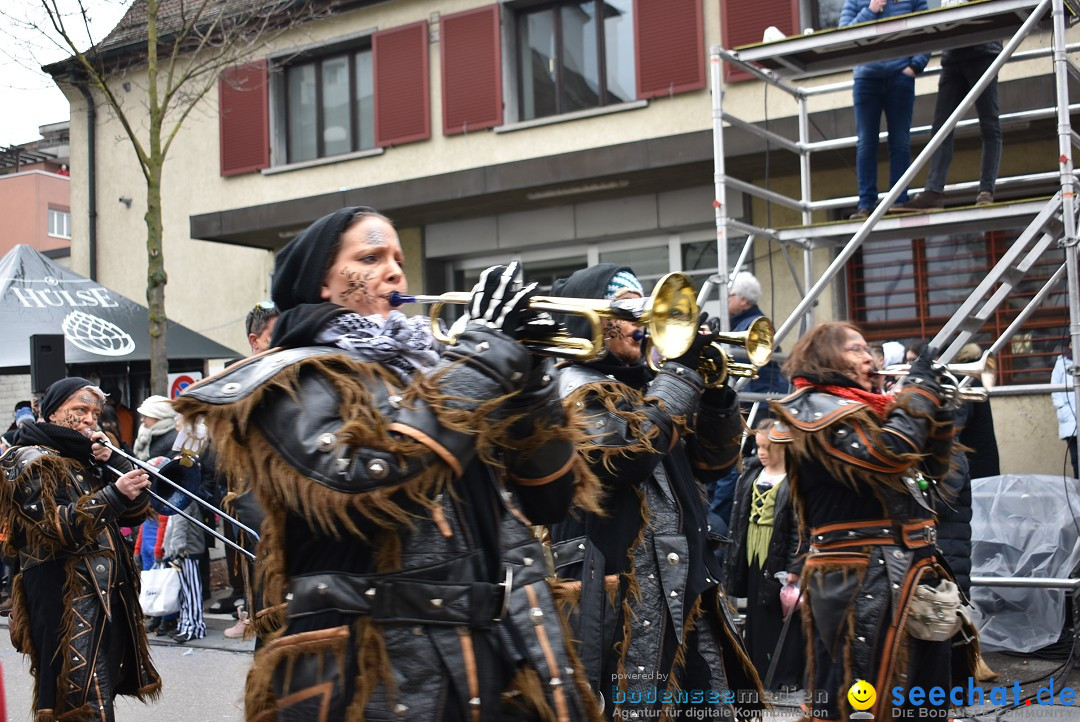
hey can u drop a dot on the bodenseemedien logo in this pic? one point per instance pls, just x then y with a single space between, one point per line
861 697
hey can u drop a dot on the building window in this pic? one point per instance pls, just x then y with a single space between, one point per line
907 290
59 224
569 60
330 105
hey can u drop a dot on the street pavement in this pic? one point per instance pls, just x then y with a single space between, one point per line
203 680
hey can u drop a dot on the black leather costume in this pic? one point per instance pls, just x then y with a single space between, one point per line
75 609
872 534
403 580
639 582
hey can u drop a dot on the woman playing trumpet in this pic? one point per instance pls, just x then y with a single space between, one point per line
400 580
854 459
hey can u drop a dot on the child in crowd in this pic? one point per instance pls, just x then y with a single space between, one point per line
766 557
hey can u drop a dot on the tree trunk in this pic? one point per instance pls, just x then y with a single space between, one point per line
156 280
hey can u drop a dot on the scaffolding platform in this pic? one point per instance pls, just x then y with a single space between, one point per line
839 49
966 219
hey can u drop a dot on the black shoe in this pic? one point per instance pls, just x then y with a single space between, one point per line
153 623
181 638
926 201
165 628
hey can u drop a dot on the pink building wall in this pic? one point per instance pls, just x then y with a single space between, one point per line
25 200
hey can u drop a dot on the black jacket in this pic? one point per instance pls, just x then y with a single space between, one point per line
785 553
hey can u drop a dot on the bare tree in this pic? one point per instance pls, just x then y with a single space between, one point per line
182 46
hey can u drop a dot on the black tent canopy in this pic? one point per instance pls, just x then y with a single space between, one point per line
39 296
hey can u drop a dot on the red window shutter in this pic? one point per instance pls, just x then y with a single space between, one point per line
670 47
402 107
471 70
244 118
744 22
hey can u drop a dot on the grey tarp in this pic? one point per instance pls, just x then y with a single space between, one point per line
39 296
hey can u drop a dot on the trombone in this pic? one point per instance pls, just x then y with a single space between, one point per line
177 466
758 342
985 369
670 313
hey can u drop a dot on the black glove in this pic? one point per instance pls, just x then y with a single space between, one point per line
539 326
921 374
701 348
499 301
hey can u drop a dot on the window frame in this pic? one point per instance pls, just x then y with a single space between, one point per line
58 213
348 45
924 324
518 15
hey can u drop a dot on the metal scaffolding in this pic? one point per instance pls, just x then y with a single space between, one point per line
1052 223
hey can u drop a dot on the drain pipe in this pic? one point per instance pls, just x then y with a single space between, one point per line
91 168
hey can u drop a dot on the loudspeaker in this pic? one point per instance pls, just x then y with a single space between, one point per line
46 360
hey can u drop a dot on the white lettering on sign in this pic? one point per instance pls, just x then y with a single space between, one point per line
35 298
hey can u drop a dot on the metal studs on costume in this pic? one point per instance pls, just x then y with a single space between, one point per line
378 469
326 442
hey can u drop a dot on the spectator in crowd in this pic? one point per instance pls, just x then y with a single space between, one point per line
743 296
156 436
23 413
260 325
883 86
1065 402
125 417
75 613
765 556
961 69
183 546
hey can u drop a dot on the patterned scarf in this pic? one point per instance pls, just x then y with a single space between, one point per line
402 344
880 403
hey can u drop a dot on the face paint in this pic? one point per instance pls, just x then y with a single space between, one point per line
367 267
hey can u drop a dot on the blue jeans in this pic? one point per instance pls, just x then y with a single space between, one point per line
956 81
895 96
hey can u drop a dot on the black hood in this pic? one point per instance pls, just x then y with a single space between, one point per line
591 282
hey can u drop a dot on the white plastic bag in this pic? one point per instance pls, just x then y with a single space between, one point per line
160 592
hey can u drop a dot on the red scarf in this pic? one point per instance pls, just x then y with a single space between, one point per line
880 403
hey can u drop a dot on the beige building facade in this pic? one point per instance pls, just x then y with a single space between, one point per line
594 143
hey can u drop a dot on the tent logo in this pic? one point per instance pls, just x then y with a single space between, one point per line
96 335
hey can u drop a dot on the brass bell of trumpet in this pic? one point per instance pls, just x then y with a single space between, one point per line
670 313
985 369
758 342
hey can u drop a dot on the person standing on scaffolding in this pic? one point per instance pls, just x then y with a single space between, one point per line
961 69
884 86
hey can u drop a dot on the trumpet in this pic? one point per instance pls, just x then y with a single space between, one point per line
985 369
758 342
670 313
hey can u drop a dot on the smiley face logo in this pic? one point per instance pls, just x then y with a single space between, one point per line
862 695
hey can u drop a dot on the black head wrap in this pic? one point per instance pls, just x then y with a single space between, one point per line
300 267
591 282
59 392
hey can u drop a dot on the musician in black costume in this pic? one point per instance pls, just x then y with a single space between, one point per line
75 602
639 579
400 577
861 467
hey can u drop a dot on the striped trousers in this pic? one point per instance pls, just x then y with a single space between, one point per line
191 613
